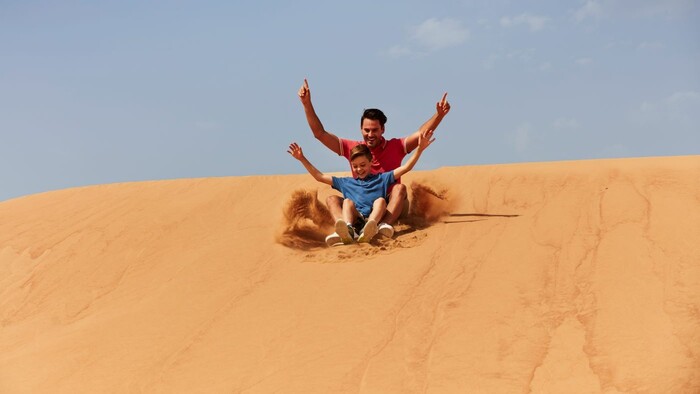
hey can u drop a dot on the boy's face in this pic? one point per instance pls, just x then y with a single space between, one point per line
361 166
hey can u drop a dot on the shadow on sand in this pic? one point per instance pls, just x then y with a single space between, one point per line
481 216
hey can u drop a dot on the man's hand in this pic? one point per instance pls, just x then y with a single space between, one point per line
295 151
425 139
442 107
305 93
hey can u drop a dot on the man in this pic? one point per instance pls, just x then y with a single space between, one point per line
387 154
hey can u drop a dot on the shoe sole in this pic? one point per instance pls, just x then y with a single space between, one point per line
343 232
368 232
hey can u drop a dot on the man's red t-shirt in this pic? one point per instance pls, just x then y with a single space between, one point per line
386 156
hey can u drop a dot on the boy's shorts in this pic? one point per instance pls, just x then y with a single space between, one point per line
360 221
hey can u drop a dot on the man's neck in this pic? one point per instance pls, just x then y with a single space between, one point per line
380 144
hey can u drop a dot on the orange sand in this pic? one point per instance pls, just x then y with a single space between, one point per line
571 277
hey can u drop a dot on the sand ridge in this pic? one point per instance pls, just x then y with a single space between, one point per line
573 277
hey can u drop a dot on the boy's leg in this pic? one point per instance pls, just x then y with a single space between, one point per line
335 206
343 227
370 229
349 211
378 210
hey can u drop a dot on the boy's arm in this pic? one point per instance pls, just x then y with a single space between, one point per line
441 109
296 152
424 140
328 139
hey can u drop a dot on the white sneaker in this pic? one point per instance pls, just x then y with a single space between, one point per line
333 240
368 232
344 231
386 230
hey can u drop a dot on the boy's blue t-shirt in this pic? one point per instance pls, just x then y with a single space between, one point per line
363 192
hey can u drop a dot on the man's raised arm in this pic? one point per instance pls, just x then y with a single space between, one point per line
326 138
442 107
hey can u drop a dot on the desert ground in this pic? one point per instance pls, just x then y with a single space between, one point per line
559 277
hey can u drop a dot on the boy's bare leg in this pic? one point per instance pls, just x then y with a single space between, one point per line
349 211
335 206
378 209
370 229
343 227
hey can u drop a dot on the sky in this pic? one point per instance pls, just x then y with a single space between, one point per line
97 92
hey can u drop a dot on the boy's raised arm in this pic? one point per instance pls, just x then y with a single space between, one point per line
297 153
424 140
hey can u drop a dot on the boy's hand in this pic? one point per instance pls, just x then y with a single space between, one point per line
425 139
295 151
305 93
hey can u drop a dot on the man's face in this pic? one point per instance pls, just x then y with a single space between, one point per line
361 166
372 132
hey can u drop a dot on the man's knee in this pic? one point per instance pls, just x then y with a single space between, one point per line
349 203
334 201
398 192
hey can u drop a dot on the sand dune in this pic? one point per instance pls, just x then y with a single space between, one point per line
571 277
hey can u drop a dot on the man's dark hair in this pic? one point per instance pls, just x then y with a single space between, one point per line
373 114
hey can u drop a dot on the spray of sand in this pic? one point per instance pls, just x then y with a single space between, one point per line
428 204
306 221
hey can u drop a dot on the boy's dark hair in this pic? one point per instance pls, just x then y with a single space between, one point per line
374 114
360 150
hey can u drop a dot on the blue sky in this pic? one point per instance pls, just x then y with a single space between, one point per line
117 91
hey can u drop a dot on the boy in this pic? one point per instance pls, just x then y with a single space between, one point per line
365 196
